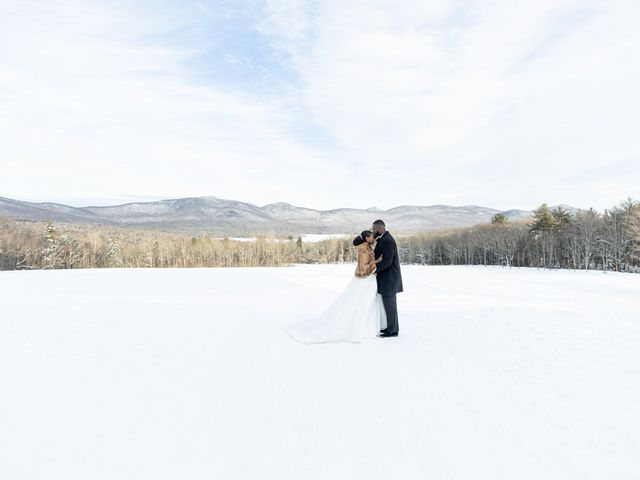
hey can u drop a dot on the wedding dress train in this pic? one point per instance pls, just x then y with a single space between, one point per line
356 315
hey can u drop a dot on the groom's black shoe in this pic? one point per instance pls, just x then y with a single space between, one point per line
388 334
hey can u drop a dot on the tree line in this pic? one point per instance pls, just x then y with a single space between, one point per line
551 238
38 245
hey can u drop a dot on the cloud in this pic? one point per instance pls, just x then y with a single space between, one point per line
324 103
97 101
461 94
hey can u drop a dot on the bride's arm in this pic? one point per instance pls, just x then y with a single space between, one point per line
373 264
366 264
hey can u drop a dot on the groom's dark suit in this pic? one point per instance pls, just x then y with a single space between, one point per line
389 278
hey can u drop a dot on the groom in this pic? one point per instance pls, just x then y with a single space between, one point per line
388 276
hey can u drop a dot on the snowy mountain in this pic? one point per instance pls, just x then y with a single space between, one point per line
216 215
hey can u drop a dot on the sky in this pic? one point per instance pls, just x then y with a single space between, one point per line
322 104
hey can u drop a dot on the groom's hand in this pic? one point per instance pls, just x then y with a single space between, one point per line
379 259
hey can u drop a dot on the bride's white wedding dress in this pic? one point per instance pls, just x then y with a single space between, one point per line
356 315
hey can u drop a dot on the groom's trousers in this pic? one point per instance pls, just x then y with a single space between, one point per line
391 308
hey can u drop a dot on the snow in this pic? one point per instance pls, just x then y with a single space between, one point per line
319 237
307 237
178 373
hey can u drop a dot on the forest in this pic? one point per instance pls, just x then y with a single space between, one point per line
551 238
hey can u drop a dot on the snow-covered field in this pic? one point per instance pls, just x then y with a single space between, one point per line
187 374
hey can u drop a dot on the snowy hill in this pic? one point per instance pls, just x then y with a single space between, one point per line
164 374
230 217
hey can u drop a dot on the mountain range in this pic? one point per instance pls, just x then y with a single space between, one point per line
229 217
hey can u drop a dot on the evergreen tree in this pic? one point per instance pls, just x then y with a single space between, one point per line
543 220
542 228
51 253
499 219
561 218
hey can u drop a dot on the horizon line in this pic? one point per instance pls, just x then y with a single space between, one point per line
151 199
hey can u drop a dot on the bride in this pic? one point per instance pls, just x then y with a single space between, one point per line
358 313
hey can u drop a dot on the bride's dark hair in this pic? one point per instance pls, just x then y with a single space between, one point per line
360 239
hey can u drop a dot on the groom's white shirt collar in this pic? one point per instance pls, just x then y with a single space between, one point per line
382 235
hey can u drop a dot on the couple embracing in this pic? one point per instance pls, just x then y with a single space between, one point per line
367 308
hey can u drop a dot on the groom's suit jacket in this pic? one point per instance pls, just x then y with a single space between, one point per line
388 272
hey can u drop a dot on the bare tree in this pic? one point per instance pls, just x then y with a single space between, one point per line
587 225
